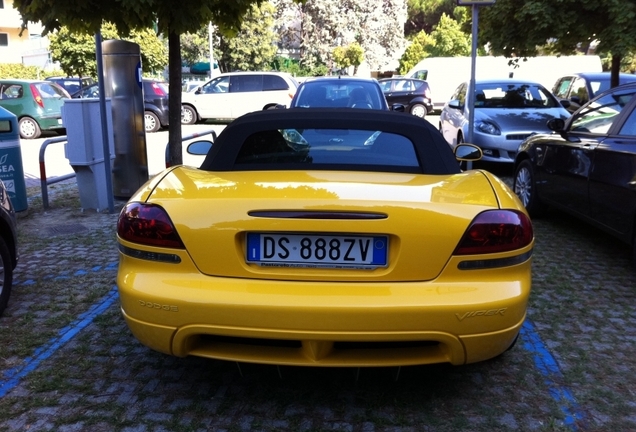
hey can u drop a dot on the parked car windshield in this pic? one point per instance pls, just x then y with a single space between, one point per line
598 116
513 95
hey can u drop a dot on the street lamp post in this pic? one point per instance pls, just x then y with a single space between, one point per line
470 96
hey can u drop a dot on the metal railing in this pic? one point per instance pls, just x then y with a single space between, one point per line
44 182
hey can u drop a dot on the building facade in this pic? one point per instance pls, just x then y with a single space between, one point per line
28 48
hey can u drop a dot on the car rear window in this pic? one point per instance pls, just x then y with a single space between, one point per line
339 94
246 83
50 90
274 82
321 148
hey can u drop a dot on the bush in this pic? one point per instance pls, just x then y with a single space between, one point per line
293 67
20 71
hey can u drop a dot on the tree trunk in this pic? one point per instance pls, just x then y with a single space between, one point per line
175 153
616 69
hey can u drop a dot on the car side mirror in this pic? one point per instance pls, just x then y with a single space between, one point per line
556 124
456 104
397 107
565 103
467 152
576 100
199 148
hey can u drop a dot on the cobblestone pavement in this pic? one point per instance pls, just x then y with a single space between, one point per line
69 363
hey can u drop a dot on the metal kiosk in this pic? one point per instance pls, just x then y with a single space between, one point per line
11 169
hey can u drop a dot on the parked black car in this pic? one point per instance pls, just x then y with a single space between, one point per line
155 102
587 167
579 88
414 94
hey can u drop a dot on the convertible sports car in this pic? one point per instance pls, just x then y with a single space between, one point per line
326 237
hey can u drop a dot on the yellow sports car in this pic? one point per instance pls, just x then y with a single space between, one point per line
326 237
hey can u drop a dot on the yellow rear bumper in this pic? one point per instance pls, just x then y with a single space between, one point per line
460 317
326 350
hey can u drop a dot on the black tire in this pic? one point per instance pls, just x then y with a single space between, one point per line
6 275
419 110
189 115
514 342
525 187
29 128
151 122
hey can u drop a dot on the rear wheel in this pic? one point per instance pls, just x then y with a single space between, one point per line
151 122
6 275
525 187
419 110
189 115
29 128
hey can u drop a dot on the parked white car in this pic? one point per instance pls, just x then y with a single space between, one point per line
230 95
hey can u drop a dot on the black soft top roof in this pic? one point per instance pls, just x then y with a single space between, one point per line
435 155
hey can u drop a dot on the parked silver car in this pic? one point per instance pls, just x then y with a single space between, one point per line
507 111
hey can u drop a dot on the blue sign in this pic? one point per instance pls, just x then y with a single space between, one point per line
138 74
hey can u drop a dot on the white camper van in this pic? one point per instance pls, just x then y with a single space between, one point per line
444 74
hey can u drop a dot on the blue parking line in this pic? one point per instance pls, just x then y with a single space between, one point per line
549 368
12 377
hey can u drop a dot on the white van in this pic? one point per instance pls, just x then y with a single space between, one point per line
444 74
230 95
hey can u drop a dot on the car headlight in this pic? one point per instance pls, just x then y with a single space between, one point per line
487 128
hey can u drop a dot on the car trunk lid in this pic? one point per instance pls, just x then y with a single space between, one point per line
422 217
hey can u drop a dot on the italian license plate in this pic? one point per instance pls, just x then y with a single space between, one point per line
317 251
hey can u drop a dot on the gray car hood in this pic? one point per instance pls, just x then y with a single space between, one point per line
524 119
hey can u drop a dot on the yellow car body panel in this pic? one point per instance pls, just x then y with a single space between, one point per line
420 309
171 310
210 212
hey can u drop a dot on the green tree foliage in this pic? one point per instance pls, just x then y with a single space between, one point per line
446 40
195 47
254 46
417 50
449 39
521 29
423 15
76 51
171 19
350 55
316 27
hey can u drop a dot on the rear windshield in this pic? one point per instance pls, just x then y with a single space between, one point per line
321 148
340 94
50 91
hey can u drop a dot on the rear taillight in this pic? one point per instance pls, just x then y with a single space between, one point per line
36 95
156 88
148 224
496 231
